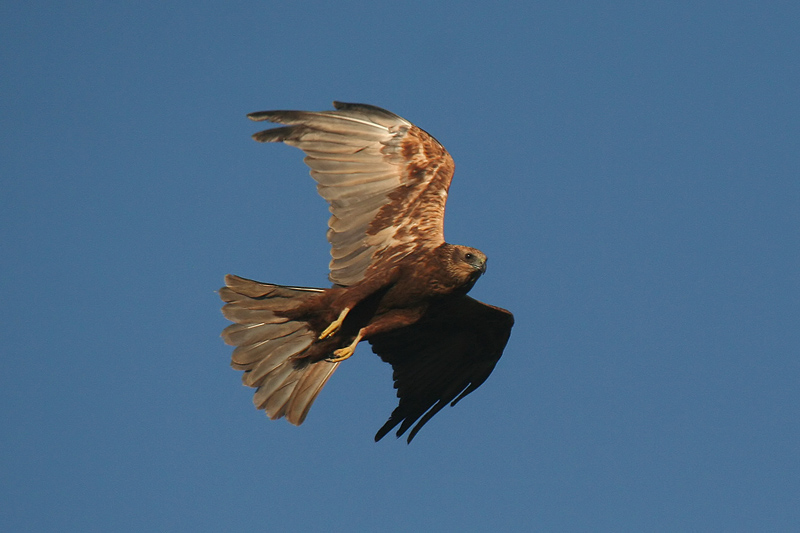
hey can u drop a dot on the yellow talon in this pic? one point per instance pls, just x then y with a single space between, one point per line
335 325
343 353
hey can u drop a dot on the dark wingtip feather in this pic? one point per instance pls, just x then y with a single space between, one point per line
407 421
258 116
277 134
281 116
365 108
386 428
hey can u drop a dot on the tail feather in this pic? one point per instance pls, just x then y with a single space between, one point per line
242 315
251 333
270 346
260 291
308 388
247 356
280 356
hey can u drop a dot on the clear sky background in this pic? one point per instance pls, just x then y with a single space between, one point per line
632 170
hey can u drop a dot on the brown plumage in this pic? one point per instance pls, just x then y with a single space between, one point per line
397 283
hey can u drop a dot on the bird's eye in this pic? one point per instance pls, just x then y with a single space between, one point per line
468 257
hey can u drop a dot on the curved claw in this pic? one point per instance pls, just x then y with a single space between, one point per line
344 353
341 354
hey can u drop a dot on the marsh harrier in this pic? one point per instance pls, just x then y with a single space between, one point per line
396 283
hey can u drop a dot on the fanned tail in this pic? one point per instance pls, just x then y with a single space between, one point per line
270 346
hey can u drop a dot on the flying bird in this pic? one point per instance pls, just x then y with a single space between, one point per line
396 283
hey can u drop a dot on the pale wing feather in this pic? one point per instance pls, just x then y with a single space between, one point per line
357 191
338 180
343 166
386 181
346 212
348 251
355 221
345 207
353 267
333 146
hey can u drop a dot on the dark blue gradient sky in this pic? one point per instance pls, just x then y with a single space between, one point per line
631 169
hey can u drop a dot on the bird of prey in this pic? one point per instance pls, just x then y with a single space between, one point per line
396 283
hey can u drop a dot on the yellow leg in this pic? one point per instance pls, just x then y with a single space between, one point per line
343 353
335 325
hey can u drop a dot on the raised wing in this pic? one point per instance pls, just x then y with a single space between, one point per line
385 179
445 356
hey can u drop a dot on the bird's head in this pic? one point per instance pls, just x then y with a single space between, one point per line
466 265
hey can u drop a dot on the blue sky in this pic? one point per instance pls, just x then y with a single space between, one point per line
631 169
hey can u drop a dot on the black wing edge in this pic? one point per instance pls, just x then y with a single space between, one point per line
441 359
297 123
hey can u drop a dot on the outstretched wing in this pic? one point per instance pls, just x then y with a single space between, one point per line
385 179
445 356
